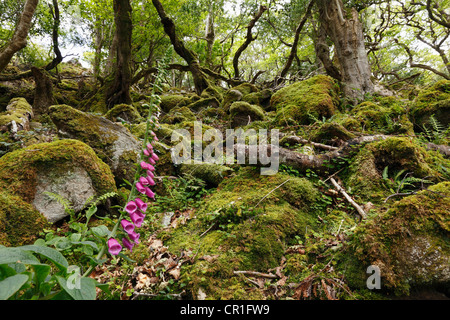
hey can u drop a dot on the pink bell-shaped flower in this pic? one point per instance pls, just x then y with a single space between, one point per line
131 207
137 219
140 187
114 246
149 193
127 225
141 204
134 237
127 244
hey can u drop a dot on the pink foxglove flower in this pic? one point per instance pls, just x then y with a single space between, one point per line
155 157
149 193
144 181
134 237
114 246
151 161
131 207
150 181
127 244
137 219
127 225
149 146
140 188
141 204
150 174
146 152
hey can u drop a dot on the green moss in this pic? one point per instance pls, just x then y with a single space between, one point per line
20 167
242 238
434 100
229 97
386 116
171 101
317 97
20 222
246 88
178 114
18 110
211 173
204 103
260 98
241 111
125 112
409 242
331 131
396 153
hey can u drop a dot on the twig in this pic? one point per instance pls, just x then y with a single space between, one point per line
208 230
349 199
271 192
154 295
257 274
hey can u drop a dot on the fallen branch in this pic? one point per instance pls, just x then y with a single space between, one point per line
257 274
349 199
271 192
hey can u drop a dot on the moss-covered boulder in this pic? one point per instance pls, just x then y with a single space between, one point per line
391 156
204 103
249 222
178 114
331 132
260 98
169 101
17 116
230 96
69 168
409 242
123 112
20 222
432 101
302 101
211 173
242 113
112 142
382 117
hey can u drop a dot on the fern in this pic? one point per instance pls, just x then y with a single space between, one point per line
436 132
68 206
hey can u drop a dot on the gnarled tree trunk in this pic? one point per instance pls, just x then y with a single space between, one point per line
345 30
19 39
200 80
119 90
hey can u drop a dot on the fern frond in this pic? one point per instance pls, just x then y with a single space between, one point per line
68 206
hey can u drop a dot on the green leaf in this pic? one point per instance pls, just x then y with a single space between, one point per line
53 255
101 231
11 285
13 255
41 271
86 291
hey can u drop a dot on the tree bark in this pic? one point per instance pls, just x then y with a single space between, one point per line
19 39
43 94
200 80
248 39
345 30
119 90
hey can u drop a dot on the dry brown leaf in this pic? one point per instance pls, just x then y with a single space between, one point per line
175 273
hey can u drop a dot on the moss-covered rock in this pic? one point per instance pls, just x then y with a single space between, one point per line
125 112
409 242
432 101
331 131
251 222
396 154
69 168
246 88
170 101
211 173
204 103
19 112
20 222
243 112
386 117
297 103
112 142
230 96
178 114
260 98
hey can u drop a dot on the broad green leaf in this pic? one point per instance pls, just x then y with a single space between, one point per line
11 285
13 255
53 255
88 243
86 291
101 231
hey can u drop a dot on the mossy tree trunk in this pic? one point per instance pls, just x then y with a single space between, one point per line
43 95
19 39
119 89
200 80
345 30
